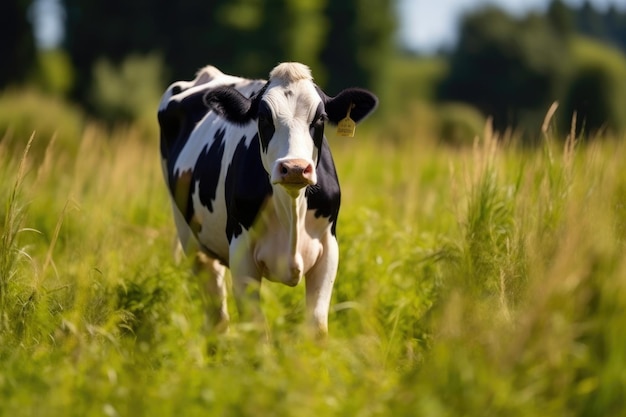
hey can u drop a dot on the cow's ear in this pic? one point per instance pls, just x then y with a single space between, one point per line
231 104
360 102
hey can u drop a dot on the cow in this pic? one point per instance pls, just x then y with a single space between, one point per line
253 184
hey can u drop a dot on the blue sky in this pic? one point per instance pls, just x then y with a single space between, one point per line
425 25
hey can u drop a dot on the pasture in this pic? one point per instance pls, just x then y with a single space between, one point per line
478 281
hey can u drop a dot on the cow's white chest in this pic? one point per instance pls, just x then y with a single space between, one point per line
285 247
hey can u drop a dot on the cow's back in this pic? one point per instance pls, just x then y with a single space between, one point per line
200 154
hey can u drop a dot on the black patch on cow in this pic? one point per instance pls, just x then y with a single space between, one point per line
177 120
206 173
266 125
363 102
230 104
325 196
247 186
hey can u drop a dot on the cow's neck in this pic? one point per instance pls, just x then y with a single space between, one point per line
291 210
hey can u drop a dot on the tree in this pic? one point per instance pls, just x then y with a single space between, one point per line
509 69
360 44
590 21
597 93
264 33
18 47
115 29
561 17
244 37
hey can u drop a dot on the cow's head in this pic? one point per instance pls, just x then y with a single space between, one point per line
290 112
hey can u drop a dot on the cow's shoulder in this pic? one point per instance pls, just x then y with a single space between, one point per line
325 197
183 105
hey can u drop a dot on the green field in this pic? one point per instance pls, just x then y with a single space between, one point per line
484 281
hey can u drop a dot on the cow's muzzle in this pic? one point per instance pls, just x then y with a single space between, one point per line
294 173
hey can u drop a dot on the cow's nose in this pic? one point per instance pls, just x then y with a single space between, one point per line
295 172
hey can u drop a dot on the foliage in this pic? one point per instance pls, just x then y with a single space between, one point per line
359 44
473 281
24 111
413 79
10 252
459 124
509 69
130 91
18 47
597 92
243 37
512 69
54 72
608 26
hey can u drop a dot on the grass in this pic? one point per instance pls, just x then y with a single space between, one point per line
474 281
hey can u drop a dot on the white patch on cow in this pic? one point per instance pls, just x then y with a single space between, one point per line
293 100
294 245
289 72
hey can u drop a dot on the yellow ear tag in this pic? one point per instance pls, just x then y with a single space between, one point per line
346 126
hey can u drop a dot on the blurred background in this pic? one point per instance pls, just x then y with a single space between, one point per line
450 63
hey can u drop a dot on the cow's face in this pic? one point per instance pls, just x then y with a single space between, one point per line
290 120
290 112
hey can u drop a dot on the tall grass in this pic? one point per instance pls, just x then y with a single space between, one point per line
10 252
474 281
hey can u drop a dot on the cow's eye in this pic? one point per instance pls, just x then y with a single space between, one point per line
321 119
266 125
317 129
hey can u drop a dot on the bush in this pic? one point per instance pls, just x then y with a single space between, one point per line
597 92
130 92
24 111
459 124
55 74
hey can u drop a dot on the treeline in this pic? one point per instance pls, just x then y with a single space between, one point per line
609 26
514 68
117 56
352 39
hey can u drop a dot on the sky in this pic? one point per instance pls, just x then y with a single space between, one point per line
425 25
429 25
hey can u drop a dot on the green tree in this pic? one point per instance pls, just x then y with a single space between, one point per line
18 46
359 45
244 37
561 17
608 26
351 39
591 21
597 93
263 33
509 69
115 29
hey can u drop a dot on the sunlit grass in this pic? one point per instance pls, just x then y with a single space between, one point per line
473 281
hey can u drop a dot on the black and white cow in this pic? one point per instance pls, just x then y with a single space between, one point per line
252 180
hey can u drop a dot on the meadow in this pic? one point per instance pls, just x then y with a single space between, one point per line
485 280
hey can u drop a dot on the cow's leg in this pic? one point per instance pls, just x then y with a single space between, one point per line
246 279
319 286
211 276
